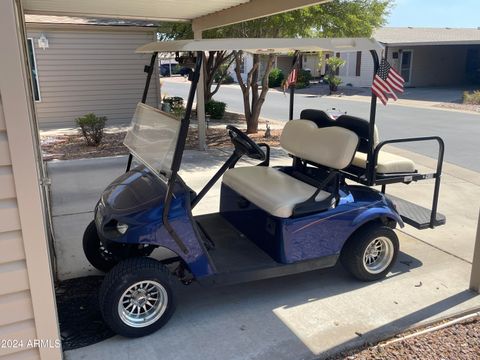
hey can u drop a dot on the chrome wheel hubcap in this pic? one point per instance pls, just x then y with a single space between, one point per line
143 303
378 255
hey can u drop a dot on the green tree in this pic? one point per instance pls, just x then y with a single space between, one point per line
215 64
338 18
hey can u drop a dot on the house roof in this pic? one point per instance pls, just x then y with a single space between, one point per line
427 36
75 20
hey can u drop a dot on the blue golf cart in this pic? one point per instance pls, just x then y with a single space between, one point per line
273 221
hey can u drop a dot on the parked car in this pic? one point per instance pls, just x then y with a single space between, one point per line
185 71
165 69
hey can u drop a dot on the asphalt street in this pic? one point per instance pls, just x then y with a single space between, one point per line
459 130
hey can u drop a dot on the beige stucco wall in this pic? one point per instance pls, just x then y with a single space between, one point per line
435 65
90 69
27 304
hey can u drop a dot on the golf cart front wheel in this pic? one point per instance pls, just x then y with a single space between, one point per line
371 252
97 255
136 298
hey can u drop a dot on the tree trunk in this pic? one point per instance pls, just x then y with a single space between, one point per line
253 107
212 64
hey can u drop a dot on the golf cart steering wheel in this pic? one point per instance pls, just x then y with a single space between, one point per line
244 144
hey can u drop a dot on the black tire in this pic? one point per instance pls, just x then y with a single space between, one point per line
96 255
354 251
121 278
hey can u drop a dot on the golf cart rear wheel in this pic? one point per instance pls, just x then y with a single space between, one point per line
371 252
136 298
95 252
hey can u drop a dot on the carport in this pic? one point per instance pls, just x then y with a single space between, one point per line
27 304
433 56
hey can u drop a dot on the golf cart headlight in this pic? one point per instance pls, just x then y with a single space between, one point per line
122 228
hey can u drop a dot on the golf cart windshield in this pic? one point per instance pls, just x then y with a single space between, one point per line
152 138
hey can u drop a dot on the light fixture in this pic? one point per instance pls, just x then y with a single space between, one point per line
43 41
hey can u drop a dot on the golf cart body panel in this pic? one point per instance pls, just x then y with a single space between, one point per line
120 203
290 240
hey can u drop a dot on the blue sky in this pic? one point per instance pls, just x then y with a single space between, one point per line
435 13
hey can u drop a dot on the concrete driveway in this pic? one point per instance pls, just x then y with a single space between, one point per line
304 316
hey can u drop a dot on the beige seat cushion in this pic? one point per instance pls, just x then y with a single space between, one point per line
333 146
386 163
270 189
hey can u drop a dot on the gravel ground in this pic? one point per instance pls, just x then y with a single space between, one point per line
459 341
71 145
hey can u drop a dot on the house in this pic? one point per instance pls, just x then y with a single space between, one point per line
433 56
423 56
82 65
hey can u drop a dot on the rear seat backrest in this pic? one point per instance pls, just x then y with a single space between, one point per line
358 125
333 146
361 127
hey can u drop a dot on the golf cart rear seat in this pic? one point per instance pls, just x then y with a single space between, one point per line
281 194
387 168
386 163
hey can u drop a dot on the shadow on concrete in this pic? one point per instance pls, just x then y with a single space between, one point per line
325 283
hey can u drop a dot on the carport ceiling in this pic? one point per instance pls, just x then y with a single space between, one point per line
207 13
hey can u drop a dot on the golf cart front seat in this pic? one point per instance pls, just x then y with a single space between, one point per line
387 163
277 192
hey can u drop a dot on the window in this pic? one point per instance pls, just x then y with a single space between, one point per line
337 72
358 63
242 64
33 68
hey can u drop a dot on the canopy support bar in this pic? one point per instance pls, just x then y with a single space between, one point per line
177 155
149 70
373 113
201 118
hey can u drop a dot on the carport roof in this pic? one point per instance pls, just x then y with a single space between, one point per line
404 36
205 14
76 20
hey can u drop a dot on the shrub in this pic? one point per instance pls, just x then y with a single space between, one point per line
471 98
92 127
303 79
176 102
228 79
216 109
275 78
334 63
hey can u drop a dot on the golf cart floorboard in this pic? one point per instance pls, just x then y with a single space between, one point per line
237 259
416 215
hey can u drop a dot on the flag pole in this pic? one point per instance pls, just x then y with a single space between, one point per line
295 64
371 130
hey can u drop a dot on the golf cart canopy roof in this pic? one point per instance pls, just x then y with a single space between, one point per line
264 45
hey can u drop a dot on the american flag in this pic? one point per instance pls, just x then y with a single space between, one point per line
386 82
291 79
